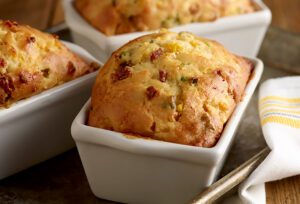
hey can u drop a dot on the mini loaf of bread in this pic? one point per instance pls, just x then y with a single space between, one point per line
32 61
172 87
124 16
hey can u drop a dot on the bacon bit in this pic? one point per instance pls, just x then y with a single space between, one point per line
117 57
251 65
34 89
25 77
7 85
163 75
71 68
153 126
131 18
177 116
12 51
2 63
205 108
235 95
94 66
194 80
46 72
10 24
55 35
156 54
221 74
125 64
123 72
218 72
151 92
194 9
30 39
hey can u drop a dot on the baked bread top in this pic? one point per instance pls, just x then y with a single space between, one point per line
113 17
32 61
172 87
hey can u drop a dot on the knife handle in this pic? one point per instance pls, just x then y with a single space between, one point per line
231 180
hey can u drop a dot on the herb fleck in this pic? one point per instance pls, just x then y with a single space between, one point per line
184 79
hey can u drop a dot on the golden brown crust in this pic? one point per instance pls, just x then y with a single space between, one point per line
32 61
124 16
172 87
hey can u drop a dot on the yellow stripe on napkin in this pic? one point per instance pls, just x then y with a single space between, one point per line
271 111
281 120
278 98
275 105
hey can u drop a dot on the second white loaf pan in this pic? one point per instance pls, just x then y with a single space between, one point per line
38 128
242 34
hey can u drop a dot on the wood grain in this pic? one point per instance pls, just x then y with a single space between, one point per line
281 50
58 14
285 14
286 191
36 13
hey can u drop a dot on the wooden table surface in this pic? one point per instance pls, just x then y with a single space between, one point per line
286 16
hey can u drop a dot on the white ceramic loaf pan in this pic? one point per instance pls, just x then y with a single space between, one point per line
38 128
136 170
242 34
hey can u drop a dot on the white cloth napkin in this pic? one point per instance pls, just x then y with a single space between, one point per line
279 107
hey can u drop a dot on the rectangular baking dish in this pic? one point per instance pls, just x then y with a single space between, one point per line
242 34
38 128
138 170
